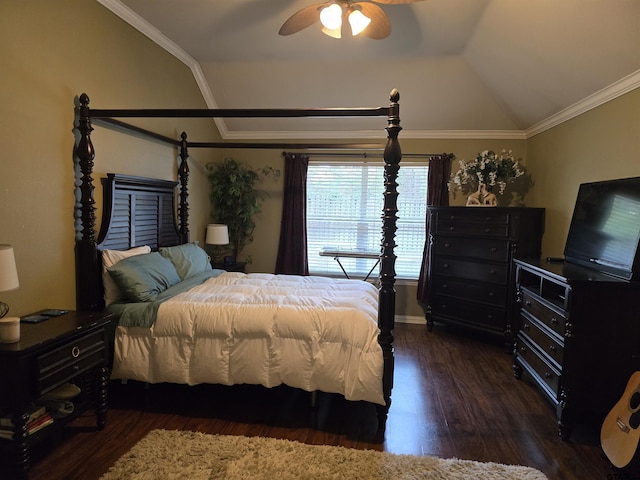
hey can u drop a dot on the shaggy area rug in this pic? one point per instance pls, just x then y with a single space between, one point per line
169 454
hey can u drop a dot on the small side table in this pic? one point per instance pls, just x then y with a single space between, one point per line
235 267
70 348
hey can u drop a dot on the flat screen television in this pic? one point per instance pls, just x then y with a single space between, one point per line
605 228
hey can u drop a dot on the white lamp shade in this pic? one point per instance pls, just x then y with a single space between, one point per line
217 234
8 271
358 22
331 16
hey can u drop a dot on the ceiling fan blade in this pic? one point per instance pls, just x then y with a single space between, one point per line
396 2
302 19
380 27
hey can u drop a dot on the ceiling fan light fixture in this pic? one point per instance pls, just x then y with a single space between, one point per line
332 32
331 17
358 21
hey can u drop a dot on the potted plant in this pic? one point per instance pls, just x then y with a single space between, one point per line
235 200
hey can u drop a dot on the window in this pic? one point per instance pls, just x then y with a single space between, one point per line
344 212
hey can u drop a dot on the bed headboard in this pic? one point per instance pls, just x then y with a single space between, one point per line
136 211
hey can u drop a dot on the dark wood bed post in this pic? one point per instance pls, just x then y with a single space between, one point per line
387 292
88 294
183 176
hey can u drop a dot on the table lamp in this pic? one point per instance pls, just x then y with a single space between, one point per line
217 235
8 274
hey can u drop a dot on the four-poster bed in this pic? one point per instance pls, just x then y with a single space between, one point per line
141 212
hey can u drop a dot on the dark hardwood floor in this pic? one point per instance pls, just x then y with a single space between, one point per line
454 396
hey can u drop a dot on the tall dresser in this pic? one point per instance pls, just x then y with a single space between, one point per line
470 273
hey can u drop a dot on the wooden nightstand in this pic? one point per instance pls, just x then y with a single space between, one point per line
236 267
71 348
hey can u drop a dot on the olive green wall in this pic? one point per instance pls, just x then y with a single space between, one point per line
601 144
52 52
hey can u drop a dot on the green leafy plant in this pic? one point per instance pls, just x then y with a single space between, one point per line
235 200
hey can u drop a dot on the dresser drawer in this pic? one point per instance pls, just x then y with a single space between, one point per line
471 216
549 317
497 273
65 362
475 292
470 313
545 342
486 248
473 229
541 368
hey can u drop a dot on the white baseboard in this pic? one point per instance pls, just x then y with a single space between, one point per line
411 319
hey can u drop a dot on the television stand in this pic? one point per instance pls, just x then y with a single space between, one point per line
578 337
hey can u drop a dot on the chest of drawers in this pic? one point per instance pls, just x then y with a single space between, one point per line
579 337
470 269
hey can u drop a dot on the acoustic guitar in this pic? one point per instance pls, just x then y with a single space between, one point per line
620 433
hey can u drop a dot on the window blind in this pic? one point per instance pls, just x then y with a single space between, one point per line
344 212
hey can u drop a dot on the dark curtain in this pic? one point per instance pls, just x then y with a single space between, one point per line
437 195
292 249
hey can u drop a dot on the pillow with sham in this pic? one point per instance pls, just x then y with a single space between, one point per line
142 277
109 258
189 259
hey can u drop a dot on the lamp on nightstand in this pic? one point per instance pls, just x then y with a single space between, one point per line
8 274
217 235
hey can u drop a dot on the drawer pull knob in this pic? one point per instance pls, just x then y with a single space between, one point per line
552 348
523 349
525 326
554 320
547 375
494 250
446 245
527 303
75 352
446 265
445 286
492 272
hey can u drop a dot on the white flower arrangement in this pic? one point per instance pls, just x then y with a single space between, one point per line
488 168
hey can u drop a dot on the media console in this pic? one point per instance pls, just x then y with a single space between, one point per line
578 337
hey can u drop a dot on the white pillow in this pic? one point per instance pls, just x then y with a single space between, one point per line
109 258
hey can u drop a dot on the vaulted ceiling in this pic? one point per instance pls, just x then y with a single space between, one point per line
464 68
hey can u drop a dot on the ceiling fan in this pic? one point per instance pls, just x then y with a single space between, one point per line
364 17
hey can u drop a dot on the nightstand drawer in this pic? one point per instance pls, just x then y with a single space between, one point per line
62 364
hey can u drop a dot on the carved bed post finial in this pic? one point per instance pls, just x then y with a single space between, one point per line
88 294
387 292
183 174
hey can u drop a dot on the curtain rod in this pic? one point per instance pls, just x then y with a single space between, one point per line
370 155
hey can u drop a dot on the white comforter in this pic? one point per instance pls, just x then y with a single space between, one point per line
312 333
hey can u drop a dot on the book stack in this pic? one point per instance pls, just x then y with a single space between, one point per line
38 419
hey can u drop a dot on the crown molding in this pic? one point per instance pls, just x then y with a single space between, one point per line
615 90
